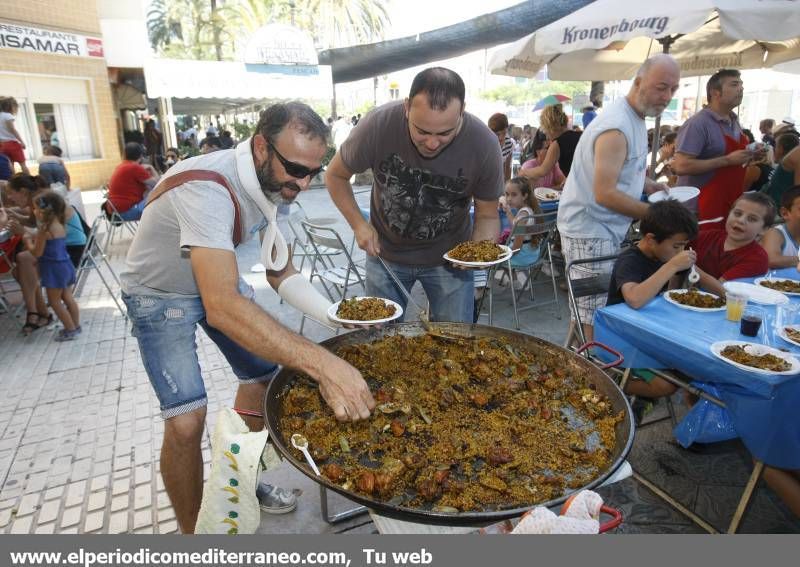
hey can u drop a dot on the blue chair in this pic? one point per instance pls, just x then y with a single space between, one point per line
530 260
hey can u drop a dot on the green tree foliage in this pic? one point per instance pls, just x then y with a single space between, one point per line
532 91
208 29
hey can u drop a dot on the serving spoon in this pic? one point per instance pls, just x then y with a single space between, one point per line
300 443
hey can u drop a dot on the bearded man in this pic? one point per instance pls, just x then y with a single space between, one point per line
603 191
181 271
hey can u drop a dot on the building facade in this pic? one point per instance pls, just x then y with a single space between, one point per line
52 62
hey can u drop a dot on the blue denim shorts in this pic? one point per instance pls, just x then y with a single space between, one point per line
165 329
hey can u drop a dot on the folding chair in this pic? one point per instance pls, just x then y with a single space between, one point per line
93 258
338 279
300 244
113 219
5 304
595 284
540 226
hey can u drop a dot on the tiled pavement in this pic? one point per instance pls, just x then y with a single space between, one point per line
80 431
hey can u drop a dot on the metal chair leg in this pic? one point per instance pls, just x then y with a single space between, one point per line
340 516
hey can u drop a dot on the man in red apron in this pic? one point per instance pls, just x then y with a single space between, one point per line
711 149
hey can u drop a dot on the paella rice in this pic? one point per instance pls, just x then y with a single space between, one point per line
364 309
472 251
473 426
694 298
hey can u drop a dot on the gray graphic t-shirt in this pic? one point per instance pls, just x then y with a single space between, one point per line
420 207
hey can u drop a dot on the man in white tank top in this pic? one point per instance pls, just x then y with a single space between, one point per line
609 172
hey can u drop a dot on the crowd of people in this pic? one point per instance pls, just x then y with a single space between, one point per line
441 176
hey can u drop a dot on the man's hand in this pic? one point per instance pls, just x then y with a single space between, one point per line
653 187
684 260
739 157
344 390
367 238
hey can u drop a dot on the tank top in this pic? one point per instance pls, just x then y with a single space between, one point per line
579 215
781 180
789 247
74 229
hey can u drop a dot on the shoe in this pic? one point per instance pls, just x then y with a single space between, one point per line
275 500
65 335
258 268
641 407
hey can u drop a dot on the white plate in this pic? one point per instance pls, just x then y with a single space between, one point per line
507 252
757 293
398 312
547 194
782 334
758 281
666 296
754 348
681 194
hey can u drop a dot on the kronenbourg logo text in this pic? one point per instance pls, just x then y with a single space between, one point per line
574 34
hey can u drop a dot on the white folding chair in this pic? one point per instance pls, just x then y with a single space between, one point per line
113 220
94 258
336 280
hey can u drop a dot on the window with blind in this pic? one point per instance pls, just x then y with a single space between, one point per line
52 111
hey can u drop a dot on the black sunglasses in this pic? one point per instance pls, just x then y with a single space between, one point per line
296 170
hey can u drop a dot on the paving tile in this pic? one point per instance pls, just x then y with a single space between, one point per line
28 505
120 502
97 500
94 522
143 518
71 517
99 482
45 529
49 511
143 496
121 486
22 525
75 493
170 527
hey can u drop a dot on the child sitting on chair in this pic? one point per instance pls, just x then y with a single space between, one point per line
781 242
655 264
734 252
519 197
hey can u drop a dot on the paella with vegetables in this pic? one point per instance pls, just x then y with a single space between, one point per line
471 426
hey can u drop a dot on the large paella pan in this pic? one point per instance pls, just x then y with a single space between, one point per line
464 432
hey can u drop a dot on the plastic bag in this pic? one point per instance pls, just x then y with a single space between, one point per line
706 422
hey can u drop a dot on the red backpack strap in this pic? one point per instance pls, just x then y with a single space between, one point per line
201 175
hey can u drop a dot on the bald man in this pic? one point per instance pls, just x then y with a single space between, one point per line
603 191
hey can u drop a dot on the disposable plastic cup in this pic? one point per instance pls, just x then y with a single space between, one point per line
735 303
751 321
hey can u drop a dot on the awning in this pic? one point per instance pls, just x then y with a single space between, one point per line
227 85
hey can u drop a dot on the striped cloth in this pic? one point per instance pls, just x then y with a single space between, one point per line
508 147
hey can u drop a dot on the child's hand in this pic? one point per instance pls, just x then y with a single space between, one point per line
684 260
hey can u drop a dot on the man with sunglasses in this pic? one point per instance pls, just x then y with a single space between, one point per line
430 162
182 272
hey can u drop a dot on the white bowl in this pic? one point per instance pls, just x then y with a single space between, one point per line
686 195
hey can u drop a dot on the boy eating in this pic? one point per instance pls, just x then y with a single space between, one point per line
649 268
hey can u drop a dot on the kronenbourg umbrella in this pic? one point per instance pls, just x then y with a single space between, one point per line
609 39
550 100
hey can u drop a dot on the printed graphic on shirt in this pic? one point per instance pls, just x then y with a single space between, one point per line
416 203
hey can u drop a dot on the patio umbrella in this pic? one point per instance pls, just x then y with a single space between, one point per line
550 100
610 39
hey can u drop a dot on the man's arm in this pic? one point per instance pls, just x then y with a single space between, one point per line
341 385
772 242
487 221
610 150
337 178
507 167
685 164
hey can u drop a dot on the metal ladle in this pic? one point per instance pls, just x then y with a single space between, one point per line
300 443
424 317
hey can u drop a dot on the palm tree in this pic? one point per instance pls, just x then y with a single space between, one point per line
338 23
163 24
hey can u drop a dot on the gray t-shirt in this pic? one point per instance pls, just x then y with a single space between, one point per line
420 207
703 137
198 213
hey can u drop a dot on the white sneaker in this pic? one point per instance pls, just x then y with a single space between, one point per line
275 500
258 268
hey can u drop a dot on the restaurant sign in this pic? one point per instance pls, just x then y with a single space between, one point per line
51 42
279 48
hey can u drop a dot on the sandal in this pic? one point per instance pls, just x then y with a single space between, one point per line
41 322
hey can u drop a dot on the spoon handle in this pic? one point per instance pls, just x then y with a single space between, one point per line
311 462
